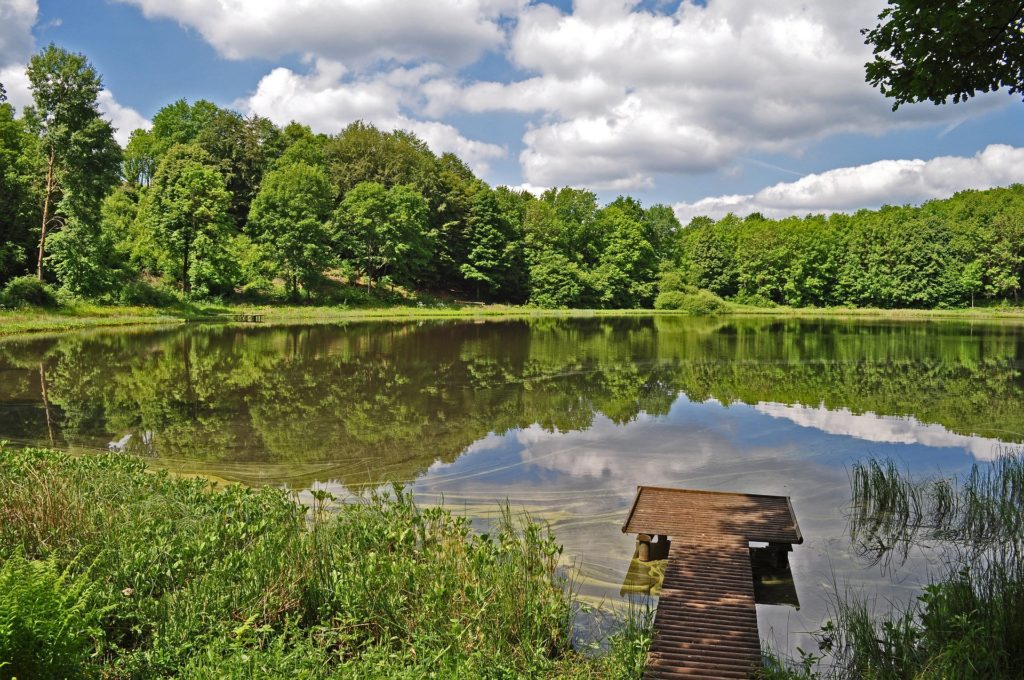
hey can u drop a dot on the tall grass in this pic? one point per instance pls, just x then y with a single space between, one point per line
893 512
188 580
969 622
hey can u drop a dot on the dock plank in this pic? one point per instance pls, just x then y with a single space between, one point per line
706 622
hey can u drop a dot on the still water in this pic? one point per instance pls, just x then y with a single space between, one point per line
562 417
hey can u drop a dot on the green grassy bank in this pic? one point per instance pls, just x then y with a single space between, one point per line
78 316
109 569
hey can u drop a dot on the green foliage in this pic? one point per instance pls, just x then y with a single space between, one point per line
288 219
141 293
204 582
556 281
50 621
383 232
495 259
627 266
184 212
17 200
949 253
697 303
930 51
27 290
78 159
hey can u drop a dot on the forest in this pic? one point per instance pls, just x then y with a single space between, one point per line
210 204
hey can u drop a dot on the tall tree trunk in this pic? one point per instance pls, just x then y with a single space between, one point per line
186 284
47 193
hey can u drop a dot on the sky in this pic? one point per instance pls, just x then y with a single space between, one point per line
709 106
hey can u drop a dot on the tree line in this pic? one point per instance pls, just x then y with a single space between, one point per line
945 253
209 203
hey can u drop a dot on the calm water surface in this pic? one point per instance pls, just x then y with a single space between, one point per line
562 417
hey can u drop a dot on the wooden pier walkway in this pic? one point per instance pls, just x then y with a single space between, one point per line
706 622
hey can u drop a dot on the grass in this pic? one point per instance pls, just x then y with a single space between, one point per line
80 315
967 314
170 577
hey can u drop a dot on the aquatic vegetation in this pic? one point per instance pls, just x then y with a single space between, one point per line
892 512
969 621
188 579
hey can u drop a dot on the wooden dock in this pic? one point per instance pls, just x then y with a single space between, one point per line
706 622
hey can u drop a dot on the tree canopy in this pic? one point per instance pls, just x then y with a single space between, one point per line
931 50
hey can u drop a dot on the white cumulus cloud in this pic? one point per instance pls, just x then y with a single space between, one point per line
329 98
455 31
893 182
627 93
124 119
16 20
885 429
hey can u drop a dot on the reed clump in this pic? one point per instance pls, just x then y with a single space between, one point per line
178 578
969 621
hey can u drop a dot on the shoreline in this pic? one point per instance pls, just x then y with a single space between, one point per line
30 321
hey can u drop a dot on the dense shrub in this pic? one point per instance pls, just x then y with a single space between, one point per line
144 294
49 621
27 290
699 303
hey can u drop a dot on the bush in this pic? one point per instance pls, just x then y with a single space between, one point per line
144 294
49 626
28 290
700 303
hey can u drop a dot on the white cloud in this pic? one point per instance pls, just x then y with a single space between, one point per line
329 98
627 93
16 83
16 20
124 119
454 31
619 94
892 182
885 429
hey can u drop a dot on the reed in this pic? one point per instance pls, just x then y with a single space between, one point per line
969 621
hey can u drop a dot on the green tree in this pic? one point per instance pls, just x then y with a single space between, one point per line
140 158
625 275
80 159
17 201
383 232
709 254
363 153
288 219
186 211
931 50
556 281
488 238
244 149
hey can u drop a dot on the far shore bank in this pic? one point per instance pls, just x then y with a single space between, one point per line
86 316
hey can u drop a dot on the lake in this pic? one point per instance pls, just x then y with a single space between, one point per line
562 417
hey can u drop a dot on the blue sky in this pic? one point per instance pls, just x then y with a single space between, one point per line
710 106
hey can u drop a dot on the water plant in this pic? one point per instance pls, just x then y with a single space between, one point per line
969 621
